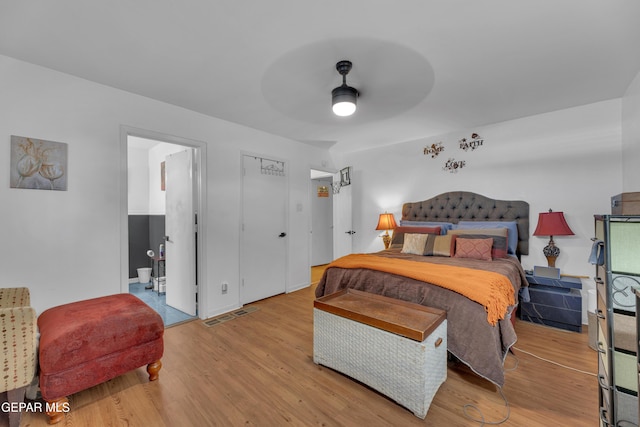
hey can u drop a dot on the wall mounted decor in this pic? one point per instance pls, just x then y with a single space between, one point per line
38 164
473 143
345 179
271 167
453 165
434 149
323 191
163 181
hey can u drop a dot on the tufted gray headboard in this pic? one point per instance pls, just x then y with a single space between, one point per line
463 205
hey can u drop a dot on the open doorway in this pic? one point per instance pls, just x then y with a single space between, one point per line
331 218
149 214
321 217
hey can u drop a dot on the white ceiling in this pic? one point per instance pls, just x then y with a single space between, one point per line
423 67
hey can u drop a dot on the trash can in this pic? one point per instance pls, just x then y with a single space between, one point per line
144 275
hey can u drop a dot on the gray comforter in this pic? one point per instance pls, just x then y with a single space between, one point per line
470 337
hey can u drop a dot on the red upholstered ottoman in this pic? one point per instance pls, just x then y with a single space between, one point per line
86 343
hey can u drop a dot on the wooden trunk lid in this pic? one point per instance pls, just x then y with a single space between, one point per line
404 318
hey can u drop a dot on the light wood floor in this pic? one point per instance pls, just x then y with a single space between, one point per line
257 370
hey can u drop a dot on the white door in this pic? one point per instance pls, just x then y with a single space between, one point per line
264 232
180 230
342 221
321 221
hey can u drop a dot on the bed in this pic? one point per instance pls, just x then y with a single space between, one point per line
474 338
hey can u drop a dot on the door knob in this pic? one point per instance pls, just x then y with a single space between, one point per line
350 232
282 234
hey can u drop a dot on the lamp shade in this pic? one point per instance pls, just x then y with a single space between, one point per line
386 222
552 224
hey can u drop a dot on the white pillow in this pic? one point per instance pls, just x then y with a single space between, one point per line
414 243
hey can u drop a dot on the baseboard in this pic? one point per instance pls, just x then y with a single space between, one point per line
222 310
298 287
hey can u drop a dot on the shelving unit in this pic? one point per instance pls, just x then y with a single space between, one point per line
617 278
637 291
159 269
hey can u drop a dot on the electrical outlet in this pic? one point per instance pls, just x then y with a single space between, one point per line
225 286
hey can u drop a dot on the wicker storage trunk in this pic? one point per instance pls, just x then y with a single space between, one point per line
406 370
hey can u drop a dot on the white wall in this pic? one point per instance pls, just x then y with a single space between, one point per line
145 195
157 197
631 137
568 160
66 246
138 180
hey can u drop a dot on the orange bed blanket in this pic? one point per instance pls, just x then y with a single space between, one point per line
492 290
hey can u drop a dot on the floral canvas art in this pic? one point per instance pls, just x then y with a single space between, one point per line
38 164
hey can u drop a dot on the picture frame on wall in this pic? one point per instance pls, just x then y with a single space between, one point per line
38 164
345 178
163 182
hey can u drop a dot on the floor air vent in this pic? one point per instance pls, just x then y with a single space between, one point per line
230 316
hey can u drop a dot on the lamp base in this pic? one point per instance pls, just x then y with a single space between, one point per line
386 239
551 260
551 252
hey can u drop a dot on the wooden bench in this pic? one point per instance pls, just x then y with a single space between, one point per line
396 347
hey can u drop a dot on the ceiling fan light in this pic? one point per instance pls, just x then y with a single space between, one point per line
344 99
344 109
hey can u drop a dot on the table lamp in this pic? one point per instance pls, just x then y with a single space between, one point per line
386 222
552 224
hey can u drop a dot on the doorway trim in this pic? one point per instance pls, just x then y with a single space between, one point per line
200 149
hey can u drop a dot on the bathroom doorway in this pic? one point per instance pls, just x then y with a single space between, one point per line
147 217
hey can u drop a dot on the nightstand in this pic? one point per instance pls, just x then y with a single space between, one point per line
554 302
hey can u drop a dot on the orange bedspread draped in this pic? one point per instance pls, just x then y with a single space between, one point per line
492 290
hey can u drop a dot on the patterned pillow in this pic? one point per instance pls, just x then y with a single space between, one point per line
499 236
399 232
512 226
440 245
414 243
474 248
